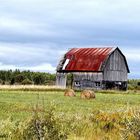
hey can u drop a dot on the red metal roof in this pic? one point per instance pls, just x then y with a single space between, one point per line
86 59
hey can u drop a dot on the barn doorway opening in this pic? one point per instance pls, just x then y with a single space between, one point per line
69 82
115 85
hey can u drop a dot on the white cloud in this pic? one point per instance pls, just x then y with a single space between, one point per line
42 67
32 56
132 55
12 23
45 67
20 49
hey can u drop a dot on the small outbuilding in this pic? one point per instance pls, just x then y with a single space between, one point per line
93 68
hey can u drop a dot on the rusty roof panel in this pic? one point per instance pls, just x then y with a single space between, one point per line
87 59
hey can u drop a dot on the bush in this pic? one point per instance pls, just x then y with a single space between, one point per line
39 79
27 82
138 83
12 82
1 82
43 126
134 84
19 78
132 127
131 87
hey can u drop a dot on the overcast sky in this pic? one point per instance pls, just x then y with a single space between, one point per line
34 34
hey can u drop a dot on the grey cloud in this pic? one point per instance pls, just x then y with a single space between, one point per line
28 54
35 32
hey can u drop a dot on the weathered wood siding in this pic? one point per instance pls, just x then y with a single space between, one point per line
115 69
61 63
61 79
83 80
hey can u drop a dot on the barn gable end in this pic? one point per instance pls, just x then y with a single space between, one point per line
116 68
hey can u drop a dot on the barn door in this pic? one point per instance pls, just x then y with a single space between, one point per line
61 79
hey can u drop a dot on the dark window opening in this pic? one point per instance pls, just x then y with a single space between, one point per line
77 83
98 84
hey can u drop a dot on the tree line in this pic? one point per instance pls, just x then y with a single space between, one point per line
18 77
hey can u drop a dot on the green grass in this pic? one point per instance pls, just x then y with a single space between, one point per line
19 104
102 118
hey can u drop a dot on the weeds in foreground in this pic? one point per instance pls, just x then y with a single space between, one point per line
132 127
42 125
49 125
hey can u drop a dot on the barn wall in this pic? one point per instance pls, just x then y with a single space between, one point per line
84 80
61 79
115 69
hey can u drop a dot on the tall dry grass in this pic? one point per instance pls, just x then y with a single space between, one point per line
31 88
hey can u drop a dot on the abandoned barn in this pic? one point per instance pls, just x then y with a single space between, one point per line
93 68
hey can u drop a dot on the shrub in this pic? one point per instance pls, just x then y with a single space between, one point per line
131 87
37 127
27 82
7 128
1 82
19 78
132 127
138 83
12 82
39 79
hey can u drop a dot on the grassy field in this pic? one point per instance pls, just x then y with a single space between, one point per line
20 104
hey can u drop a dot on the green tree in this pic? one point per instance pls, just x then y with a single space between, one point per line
19 78
39 79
